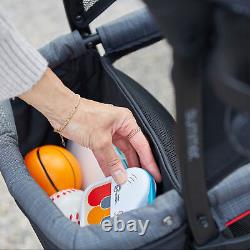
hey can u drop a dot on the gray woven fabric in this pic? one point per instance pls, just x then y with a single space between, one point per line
64 48
131 31
55 226
231 197
169 204
228 199
43 212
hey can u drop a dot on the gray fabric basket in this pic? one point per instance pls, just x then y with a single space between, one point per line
167 227
63 233
228 199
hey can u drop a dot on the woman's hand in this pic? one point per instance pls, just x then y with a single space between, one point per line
94 125
98 126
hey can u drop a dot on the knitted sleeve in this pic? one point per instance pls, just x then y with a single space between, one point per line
21 66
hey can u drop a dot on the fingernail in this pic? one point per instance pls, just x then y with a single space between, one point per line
120 177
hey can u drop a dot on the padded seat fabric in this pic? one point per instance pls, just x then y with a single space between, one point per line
228 199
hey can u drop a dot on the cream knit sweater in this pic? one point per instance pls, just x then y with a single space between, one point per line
21 65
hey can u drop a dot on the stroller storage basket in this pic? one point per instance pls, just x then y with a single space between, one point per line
94 77
228 199
57 232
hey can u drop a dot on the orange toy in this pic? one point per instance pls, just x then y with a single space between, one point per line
54 168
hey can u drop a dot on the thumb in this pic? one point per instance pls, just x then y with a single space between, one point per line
110 163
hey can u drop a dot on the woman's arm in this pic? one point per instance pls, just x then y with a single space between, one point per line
94 125
21 66
24 73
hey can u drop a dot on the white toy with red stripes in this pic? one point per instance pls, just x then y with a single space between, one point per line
69 201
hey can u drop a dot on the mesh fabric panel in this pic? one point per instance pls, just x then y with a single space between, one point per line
160 122
163 131
81 13
87 4
241 227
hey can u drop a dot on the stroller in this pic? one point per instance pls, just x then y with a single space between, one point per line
203 202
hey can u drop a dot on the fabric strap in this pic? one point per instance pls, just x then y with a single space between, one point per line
189 41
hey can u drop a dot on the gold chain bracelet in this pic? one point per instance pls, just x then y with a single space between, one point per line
67 121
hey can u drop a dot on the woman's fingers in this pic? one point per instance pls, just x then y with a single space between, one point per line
96 125
130 153
131 130
147 160
110 162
